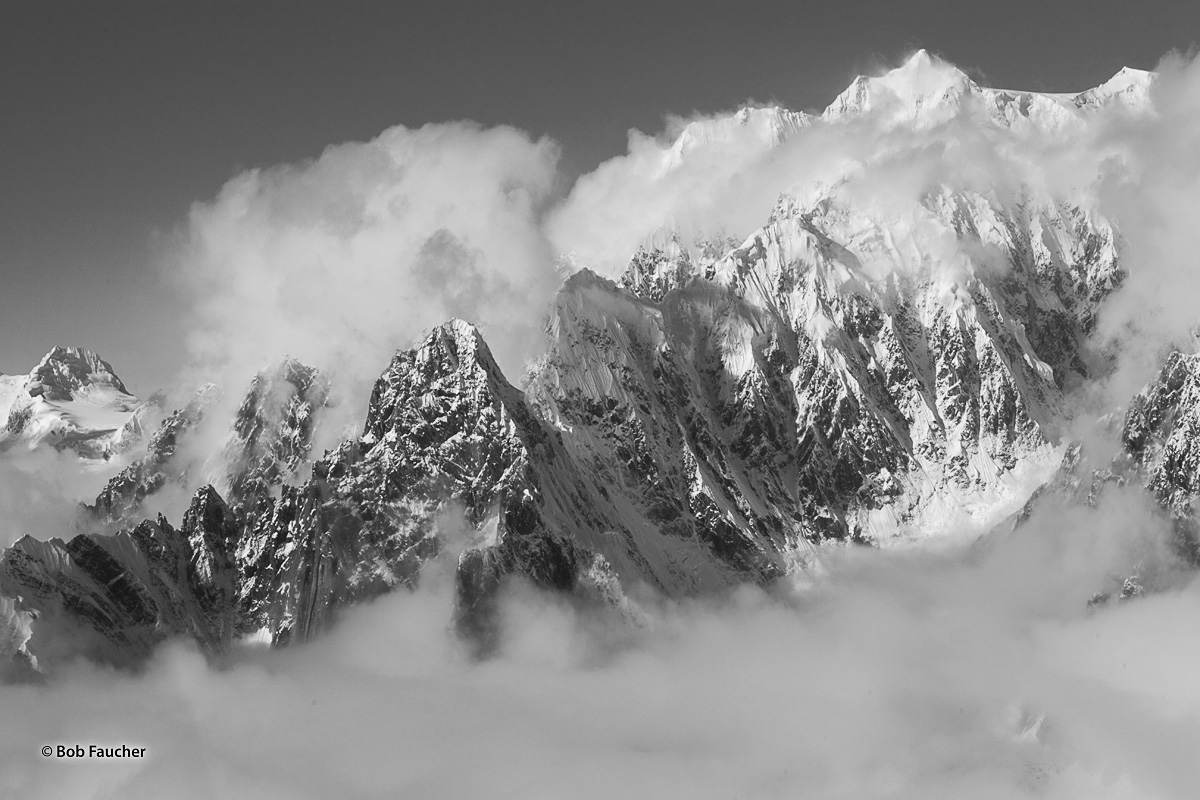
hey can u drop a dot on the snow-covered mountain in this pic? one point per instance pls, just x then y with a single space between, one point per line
72 400
926 91
767 126
850 372
933 394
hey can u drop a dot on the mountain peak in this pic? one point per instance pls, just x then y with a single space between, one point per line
450 347
463 334
459 327
920 59
65 370
927 90
924 75
920 83
1129 86
74 399
1126 79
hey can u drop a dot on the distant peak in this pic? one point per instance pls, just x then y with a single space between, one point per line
1126 77
920 58
1129 85
922 82
65 369
923 72
71 355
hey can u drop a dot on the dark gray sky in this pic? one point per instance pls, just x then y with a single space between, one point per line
116 116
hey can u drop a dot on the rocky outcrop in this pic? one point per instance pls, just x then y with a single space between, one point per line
1161 436
113 597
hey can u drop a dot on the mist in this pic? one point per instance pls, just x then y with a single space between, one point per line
41 491
973 671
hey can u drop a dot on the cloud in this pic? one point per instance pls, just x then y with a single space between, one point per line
1150 182
970 672
41 489
715 183
341 260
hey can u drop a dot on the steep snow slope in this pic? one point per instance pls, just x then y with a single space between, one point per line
927 91
926 393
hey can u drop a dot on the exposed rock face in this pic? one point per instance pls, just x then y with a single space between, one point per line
113 597
1161 435
1162 432
272 432
72 400
914 392
65 371
444 426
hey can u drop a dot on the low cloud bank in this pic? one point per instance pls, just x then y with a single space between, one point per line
977 672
